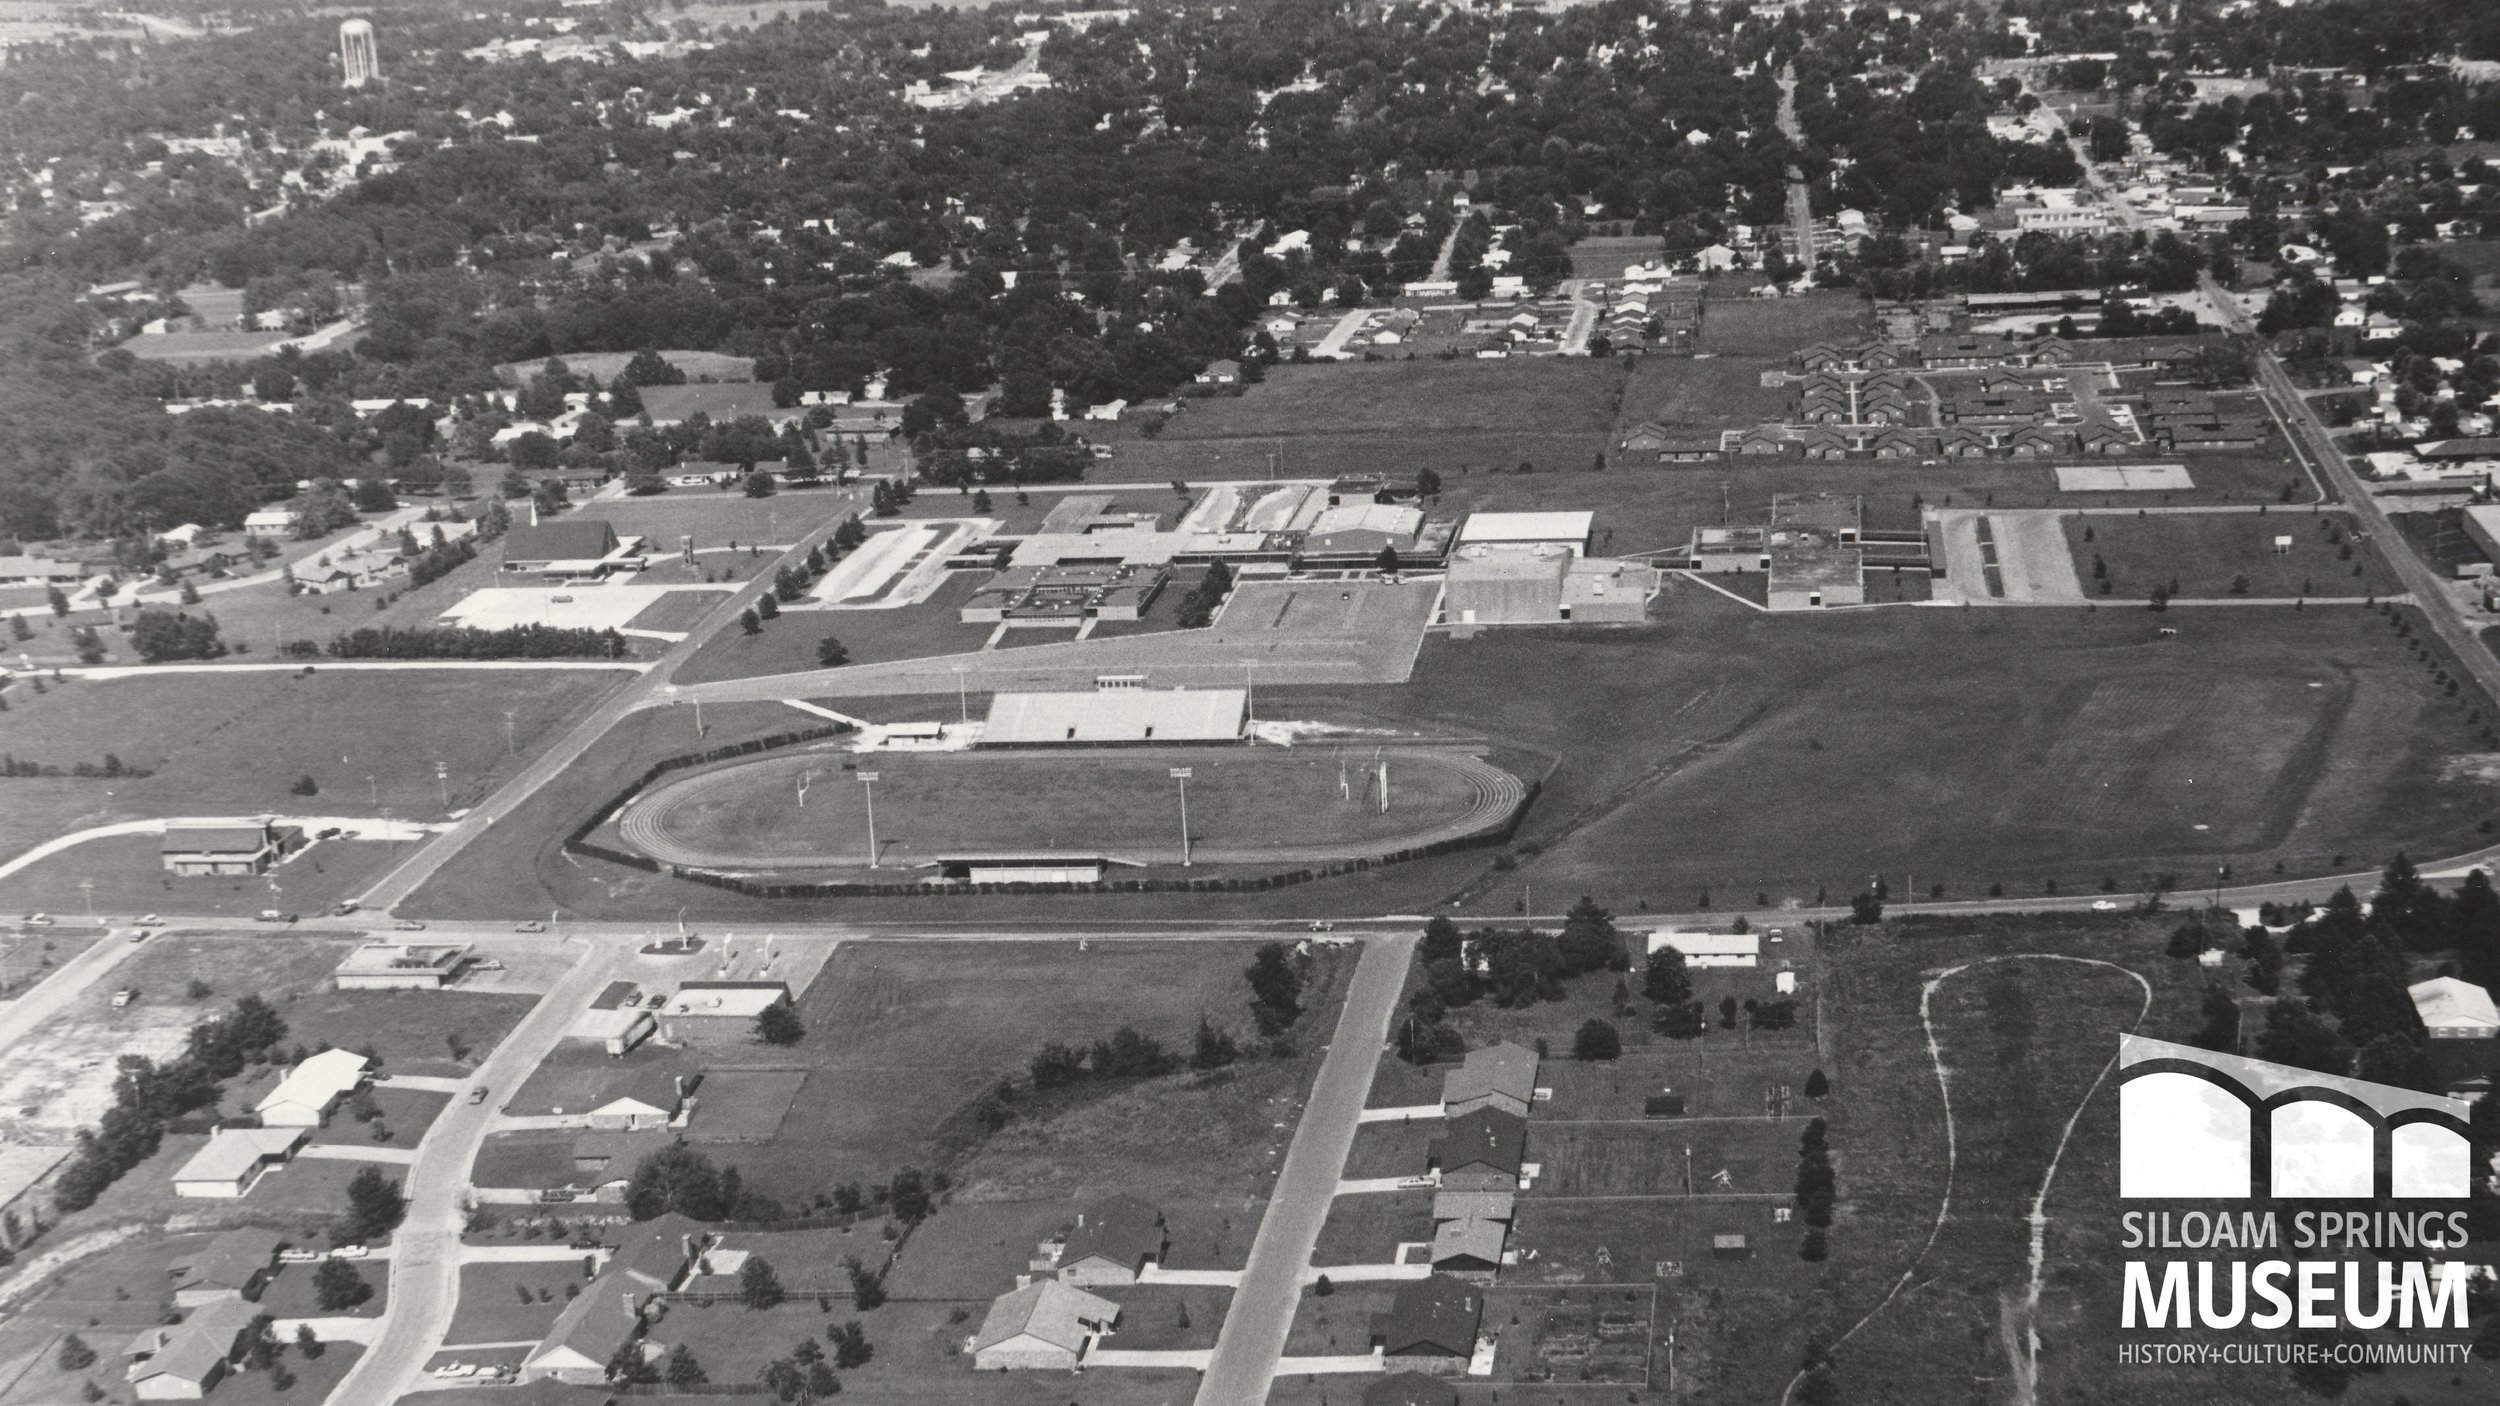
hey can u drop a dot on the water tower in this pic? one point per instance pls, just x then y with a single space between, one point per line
360 62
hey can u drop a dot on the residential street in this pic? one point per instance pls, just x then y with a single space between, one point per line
1254 1331
425 1258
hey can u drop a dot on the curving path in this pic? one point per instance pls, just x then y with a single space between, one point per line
1493 796
2026 1361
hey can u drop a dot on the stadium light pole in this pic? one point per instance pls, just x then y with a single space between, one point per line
1181 775
868 784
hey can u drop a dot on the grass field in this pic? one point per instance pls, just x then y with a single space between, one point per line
1546 395
949 1021
1794 757
698 365
1607 256
2226 554
234 744
717 519
1703 393
788 644
2024 1039
1248 803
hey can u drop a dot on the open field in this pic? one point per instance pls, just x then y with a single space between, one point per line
1544 395
1353 450
1703 394
717 519
1607 256
234 744
1734 324
2023 1037
2226 554
698 365
799 810
2056 745
950 1021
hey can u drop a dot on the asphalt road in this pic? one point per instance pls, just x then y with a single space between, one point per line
68 981
425 1253
1253 1335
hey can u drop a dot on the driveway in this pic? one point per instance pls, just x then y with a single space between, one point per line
1253 1337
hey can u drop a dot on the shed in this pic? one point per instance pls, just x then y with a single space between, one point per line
1730 1247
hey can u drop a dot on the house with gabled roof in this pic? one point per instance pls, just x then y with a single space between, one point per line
588 1334
2033 442
1115 1239
1046 1325
1499 1076
1821 443
1961 442
184 1361
1893 444
234 1265
1430 1326
1480 1151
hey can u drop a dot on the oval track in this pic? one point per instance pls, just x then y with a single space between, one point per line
1493 795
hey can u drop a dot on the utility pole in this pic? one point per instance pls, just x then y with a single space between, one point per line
868 784
442 783
963 700
1181 775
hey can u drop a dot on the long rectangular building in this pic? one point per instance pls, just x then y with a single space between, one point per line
1117 717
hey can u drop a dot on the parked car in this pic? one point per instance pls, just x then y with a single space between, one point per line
350 1252
409 925
533 925
122 997
272 915
38 920
149 920
2103 905
346 906
1323 925
477 1095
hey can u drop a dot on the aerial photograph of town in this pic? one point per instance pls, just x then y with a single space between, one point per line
1250 702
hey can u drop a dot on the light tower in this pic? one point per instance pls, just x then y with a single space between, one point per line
360 60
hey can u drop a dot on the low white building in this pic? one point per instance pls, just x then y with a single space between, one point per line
311 1089
1710 949
233 1160
2455 1010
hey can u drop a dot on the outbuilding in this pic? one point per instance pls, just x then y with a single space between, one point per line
2452 1009
715 1013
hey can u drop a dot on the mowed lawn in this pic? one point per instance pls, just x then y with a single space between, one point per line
946 1021
715 518
935 805
235 744
1724 756
2226 554
1549 394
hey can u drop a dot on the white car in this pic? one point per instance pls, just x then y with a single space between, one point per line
350 1252
2103 905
